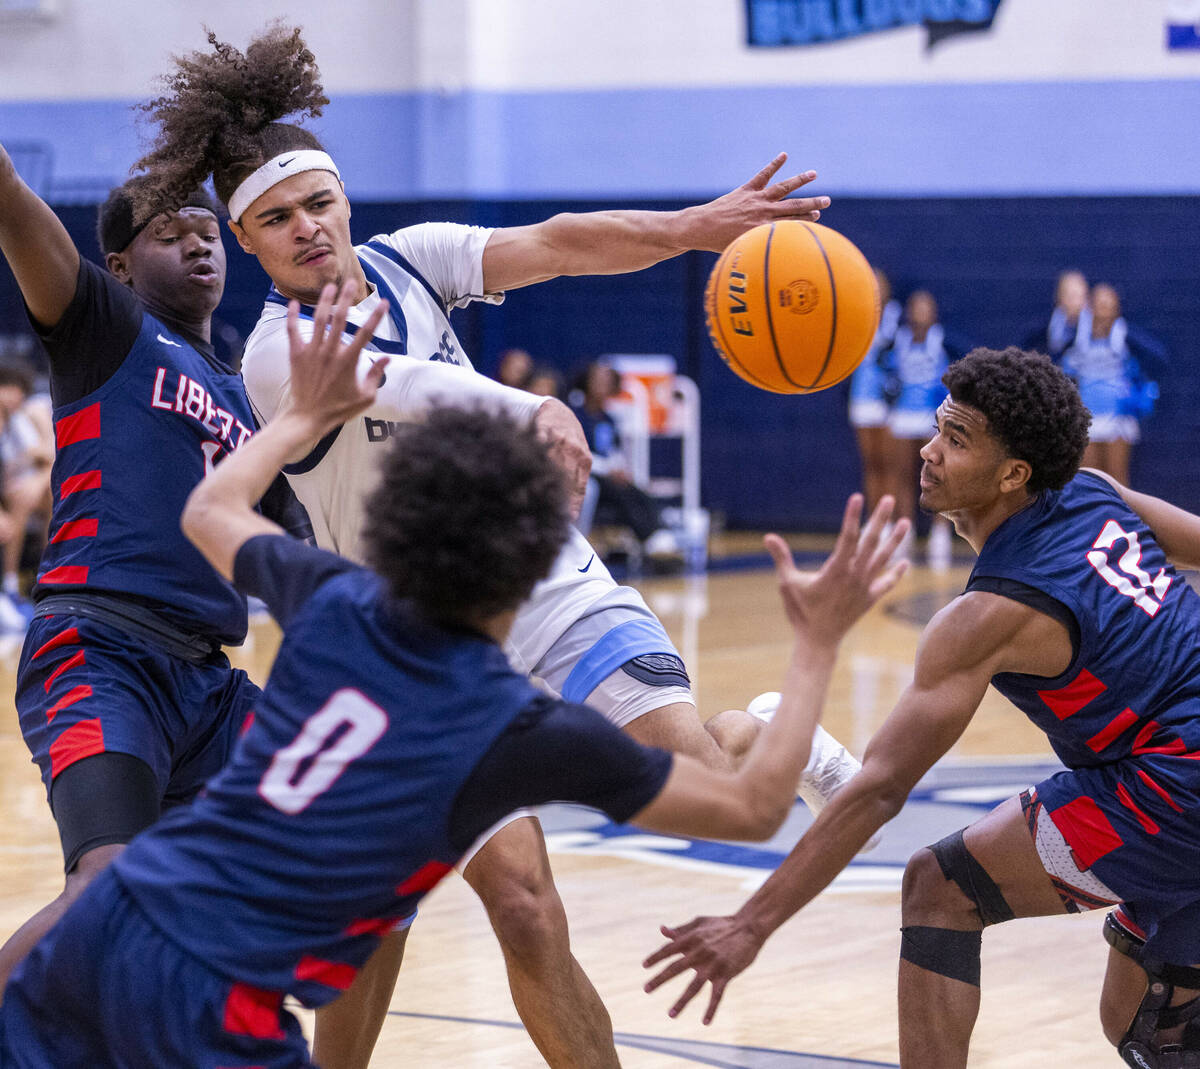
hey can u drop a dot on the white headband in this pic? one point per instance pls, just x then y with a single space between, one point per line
275 171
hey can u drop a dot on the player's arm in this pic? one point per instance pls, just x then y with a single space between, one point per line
615 242
37 247
821 607
965 644
571 753
325 389
1176 530
413 387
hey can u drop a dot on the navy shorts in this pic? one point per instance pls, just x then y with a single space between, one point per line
85 688
104 989
1136 825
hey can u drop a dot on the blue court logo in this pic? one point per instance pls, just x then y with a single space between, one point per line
776 23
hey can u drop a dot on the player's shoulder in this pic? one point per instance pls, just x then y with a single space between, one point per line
265 355
977 629
426 244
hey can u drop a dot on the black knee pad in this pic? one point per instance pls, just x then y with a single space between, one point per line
1140 1045
972 879
944 951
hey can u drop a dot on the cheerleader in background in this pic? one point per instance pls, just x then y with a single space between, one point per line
1115 366
870 402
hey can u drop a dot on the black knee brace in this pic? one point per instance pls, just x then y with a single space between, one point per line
1155 1014
972 878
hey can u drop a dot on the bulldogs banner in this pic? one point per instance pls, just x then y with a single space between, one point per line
775 23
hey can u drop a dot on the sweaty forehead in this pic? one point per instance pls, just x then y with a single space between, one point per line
970 419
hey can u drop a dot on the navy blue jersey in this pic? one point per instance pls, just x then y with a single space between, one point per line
128 453
343 803
1133 685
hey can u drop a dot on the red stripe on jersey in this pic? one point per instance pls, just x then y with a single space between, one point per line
1143 738
79 427
69 637
333 974
85 528
74 661
247 724
1126 799
1068 700
379 926
1160 790
77 742
251 1011
70 698
85 480
424 879
1111 731
1087 830
65 573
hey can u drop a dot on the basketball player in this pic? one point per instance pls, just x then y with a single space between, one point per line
391 710
580 633
1074 613
125 699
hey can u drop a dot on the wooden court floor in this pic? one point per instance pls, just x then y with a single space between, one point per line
822 992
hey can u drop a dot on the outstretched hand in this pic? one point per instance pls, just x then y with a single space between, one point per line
325 386
756 202
824 604
718 948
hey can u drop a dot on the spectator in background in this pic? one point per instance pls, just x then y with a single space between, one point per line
1057 335
545 381
918 358
515 368
869 400
618 499
1115 366
26 454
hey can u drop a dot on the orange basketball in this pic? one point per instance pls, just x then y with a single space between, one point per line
792 307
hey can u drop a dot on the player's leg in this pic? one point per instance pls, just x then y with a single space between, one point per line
720 742
1148 1002
555 1000
25 938
348 1028
104 769
988 873
111 753
618 659
99 803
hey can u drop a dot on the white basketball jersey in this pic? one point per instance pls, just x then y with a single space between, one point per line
424 271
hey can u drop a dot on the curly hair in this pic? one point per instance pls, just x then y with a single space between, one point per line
221 110
1031 406
468 515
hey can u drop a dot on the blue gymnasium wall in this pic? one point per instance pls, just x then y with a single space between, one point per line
790 461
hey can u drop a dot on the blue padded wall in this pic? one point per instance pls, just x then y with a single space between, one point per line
790 461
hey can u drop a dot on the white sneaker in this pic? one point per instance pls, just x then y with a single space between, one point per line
830 765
